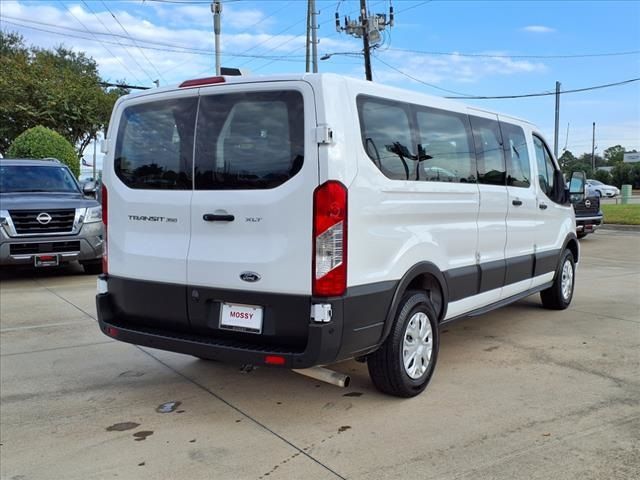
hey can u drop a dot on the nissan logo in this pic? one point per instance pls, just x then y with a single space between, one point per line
250 276
43 218
587 203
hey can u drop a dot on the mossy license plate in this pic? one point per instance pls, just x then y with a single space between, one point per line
46 260
244 318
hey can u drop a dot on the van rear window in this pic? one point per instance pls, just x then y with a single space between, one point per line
249 140
154 149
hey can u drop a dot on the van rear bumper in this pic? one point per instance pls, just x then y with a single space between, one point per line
355 329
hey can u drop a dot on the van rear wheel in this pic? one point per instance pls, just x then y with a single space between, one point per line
405 362
558 296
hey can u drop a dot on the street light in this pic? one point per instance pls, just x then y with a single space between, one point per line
327 56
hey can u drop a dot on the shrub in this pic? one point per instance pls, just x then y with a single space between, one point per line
41 142
626 173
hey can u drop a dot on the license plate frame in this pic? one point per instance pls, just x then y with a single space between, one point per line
241 317
43 261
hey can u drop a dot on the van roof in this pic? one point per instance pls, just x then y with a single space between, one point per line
372 88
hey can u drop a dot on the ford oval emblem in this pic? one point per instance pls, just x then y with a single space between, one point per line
250 276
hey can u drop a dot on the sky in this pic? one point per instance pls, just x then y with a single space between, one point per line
477 48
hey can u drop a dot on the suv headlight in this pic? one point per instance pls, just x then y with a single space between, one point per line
93 215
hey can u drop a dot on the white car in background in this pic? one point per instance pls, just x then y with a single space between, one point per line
602 190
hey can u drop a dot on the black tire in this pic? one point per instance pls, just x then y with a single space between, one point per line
92 268
386 365
553 297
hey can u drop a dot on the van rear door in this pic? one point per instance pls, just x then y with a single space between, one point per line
256 166
149 188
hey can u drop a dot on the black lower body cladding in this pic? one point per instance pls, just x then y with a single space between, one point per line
186 319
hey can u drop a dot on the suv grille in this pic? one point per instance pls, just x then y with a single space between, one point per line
582 209
25 221
46 247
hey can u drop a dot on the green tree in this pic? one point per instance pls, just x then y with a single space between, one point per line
603 176
569 163
59 89
614 155
626 173
42 142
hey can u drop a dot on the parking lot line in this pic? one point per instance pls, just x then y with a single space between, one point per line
56 348
242 412
44 325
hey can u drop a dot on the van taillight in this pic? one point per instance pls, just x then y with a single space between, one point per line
105 219
329 239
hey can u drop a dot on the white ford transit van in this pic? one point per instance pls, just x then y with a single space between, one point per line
300 220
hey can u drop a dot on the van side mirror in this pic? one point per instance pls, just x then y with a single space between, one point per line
104 146
578 183
90 189
577 187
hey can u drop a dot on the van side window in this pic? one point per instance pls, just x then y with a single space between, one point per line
250 140
387 137
446 149
517 155
154 148
546 167
488 142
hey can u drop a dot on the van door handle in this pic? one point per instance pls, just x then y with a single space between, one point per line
212 217
542 206
516 202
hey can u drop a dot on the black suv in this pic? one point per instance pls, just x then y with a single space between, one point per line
588 214
46 219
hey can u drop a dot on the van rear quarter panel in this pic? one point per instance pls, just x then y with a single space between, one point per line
395 224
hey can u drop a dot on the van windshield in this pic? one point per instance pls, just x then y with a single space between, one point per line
249 140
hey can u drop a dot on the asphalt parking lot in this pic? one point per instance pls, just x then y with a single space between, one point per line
518 393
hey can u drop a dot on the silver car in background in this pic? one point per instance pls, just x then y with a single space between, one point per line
602 189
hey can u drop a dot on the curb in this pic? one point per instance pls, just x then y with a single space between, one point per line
625 228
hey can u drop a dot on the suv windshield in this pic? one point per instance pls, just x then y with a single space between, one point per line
27 178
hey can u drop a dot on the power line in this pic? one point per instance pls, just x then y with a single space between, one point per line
132 39
418 80
103 45
124 46
176 49
488 55
544 94
123 85
499 97
274 36
414 6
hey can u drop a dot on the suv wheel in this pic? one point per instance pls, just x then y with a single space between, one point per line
405 362
558 296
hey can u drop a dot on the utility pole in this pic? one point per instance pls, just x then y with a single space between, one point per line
593 150
369 28
216 9
557 130
314 35
308 44
365 40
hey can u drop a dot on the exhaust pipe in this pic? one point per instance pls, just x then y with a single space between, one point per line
325 375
